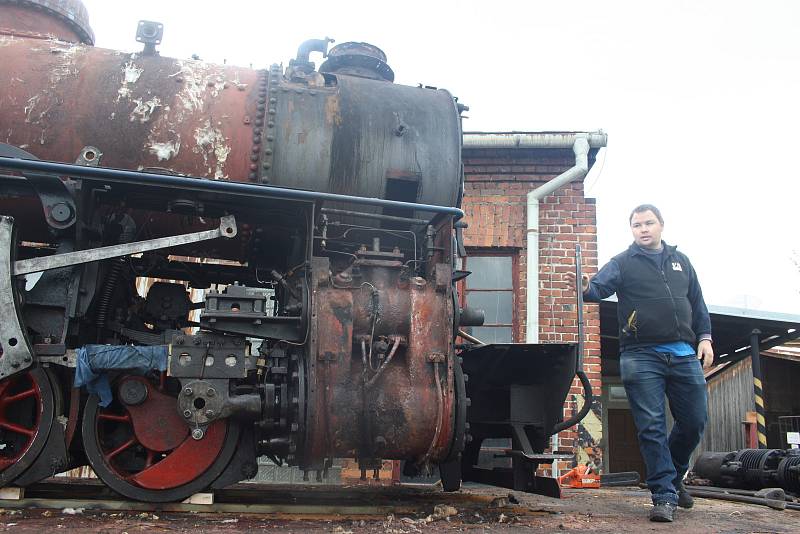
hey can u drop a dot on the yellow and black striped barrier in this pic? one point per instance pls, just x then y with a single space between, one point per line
758 389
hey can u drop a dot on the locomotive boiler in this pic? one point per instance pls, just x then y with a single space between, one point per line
204 264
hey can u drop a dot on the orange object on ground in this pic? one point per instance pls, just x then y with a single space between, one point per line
580 477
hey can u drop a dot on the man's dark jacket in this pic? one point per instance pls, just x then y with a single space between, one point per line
656 304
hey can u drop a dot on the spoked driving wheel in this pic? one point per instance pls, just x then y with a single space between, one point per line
26 416
141 447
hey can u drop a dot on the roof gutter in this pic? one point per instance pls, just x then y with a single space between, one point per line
533 139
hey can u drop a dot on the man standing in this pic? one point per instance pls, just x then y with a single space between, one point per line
662 318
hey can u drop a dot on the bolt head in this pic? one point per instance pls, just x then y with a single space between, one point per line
197 434
187 391
187 414
211 392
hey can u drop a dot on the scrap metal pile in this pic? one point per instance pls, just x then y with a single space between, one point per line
751 469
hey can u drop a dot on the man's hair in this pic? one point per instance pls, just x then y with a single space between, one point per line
646 207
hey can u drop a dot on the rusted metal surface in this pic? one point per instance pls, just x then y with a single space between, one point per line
382 341
148 112
229 123
373 375
195 118
65 20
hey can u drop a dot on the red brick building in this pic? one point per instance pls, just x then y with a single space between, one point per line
502 174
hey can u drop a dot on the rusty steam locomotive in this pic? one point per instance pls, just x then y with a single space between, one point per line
204 264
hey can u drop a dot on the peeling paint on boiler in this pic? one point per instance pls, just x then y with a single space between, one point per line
144 109
130 75
210 141
67 67
200 81
30 107
165 151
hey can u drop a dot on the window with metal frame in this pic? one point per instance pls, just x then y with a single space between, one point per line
490 288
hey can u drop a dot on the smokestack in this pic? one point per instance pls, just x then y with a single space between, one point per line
358 59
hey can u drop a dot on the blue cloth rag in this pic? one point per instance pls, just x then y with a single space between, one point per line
95 360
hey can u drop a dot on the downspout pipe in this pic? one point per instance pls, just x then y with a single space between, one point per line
581 148
578 172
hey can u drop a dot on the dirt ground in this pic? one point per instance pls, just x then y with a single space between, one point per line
476 509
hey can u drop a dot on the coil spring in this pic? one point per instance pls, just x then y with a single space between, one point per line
789 473
108 291
127 235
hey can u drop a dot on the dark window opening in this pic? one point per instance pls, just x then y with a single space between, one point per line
403 190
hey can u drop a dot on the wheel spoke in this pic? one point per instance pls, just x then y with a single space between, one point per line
128 444
149 461
18 429
20 396
126 418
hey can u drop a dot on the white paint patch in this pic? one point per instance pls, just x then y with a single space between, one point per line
165 151
67 67
211 142
144 109
130 75
221 152
200 81
6 40
32 101
65 49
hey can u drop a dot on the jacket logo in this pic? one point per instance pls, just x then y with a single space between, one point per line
676 266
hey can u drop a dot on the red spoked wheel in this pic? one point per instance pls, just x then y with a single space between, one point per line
141 447
26 416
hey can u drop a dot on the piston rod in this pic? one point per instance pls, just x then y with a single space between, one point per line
227 228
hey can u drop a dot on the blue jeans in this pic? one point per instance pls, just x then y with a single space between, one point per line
649 375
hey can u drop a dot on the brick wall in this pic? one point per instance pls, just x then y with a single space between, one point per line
497 182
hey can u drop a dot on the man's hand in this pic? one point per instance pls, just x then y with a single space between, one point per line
705 353
570 276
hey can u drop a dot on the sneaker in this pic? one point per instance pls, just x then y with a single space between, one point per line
684 497
663 512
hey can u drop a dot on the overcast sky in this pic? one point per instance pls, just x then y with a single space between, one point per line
699 100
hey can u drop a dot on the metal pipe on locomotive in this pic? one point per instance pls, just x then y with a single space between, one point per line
239 263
